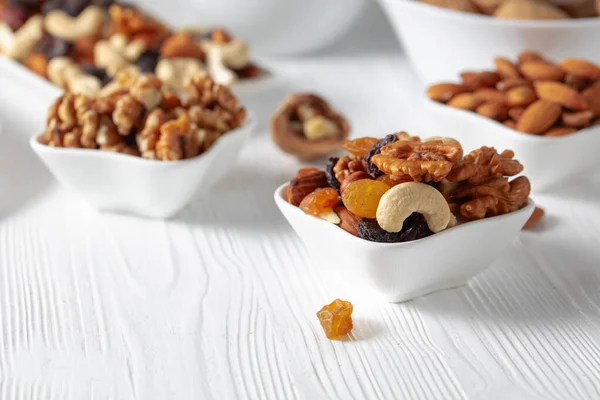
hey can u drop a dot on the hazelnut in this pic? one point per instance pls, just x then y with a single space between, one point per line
305 125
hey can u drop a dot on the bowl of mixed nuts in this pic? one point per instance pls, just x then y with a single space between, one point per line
543 110
404 217
138 147
81 45
442 36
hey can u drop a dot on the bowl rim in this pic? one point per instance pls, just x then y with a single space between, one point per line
282 203
514 134
463 16
245 129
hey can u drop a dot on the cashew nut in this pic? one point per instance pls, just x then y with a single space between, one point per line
235 54
216 65
19 44
402 200
178 72
62 25
319 127
116 53
65 73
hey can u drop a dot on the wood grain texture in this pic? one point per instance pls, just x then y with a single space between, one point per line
220 302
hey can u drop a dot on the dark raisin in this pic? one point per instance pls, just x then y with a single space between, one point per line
32 4
51 5
414 228
371 168
52 46
331 179
15 16
102 3
98 72
147 61
435 185
75 7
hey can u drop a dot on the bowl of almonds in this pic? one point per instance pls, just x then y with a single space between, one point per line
543 110
442 36
417 217
140 149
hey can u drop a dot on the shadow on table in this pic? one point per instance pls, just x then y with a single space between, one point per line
525 295
22 175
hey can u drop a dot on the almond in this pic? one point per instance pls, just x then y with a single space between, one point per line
487 94
465 101
506 68
443 92
307 181
581 68
510 124
349 221
510 83
487 6
520 96
478 80
542 71
515 113
592 96
579 9
577 119
561 94
353 177
536 216
528 55
539 117
529 9
577 82
458 5
493 110
560 131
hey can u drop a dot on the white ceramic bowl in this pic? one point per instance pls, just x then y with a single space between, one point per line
403 271
155 189
441 43
548 162
273 27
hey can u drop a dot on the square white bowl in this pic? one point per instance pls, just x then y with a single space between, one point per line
441 42
548 161
149 188
402 271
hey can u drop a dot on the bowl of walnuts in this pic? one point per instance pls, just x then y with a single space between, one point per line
442 36
137 148
417 217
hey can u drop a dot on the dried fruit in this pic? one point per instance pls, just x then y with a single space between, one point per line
306 181
320 201
539 117
14 16
561 94
353 177
362 197
336 318
147 61
376 149
52 46
359 147
393 180
414 228
331 179
536 216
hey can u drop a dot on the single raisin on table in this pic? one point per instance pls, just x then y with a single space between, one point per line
336 318
320 201
331 179
376 149
362 197
415 227
52 46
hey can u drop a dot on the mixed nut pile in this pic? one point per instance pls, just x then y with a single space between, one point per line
533 96
524 9
306 126
401 188
137 114
80 45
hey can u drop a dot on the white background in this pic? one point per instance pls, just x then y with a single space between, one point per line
220 302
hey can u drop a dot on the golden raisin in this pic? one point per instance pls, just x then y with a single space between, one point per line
336 318
362 197
320 201
393 180
361 146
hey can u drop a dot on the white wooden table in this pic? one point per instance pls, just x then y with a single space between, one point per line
220 302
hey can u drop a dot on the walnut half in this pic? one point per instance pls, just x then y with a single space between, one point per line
305 125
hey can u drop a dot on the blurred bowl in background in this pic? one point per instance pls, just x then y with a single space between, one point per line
272 27
441 43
